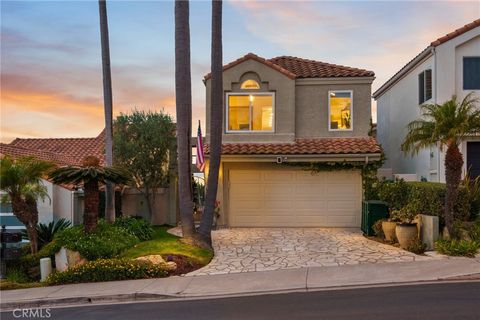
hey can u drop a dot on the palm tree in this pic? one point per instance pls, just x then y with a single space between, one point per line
21 181
183 95
90 174
216 121
108 109
447 125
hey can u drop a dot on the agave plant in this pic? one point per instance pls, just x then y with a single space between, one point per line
90 174
46 232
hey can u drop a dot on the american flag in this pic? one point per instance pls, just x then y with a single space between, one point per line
200 155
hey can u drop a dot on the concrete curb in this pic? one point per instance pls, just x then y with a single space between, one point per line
245 284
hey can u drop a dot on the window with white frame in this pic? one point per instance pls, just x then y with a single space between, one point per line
424 86
250 112
340 110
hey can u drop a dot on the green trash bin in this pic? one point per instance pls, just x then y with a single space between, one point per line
372 211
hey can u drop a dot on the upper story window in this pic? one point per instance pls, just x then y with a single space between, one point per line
250 84
471 73
340 110
424 86
250 112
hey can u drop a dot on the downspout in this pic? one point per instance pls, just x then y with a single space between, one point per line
72 206
434 52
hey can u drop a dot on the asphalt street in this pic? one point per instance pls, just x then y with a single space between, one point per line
424 301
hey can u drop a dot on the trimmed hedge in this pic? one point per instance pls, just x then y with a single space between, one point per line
107 270
107 241
423 197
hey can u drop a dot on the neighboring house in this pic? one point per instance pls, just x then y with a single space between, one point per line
66 201
449 66
289 110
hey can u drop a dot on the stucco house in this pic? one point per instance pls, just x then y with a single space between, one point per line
448 66
285 111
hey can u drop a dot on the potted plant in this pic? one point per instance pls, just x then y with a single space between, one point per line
388 226
406 230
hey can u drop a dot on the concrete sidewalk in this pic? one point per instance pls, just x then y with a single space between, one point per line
288 280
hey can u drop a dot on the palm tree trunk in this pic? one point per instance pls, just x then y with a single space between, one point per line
92 199
216 120
453 175
183 95
27 213
108 107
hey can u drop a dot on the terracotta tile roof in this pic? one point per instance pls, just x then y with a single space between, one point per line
17 152
73 149
456 33
304 68
252 56
316 146
295 68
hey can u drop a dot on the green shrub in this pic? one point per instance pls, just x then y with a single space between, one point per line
106 241
427 198
137 226
46 232
17 276
474 230
107 270
424 197
417 246
395 193
457 247
29 260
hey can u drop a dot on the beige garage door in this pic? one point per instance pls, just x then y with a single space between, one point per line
294 198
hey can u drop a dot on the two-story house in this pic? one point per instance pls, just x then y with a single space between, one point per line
284 111
449 66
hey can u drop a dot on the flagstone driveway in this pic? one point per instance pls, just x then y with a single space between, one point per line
260 249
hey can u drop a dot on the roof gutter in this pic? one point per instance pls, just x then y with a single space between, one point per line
426 53
281 158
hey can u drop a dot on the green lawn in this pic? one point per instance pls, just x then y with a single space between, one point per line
164 243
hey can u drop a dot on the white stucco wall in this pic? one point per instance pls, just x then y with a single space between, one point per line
395 109
45 207
62 203
397 106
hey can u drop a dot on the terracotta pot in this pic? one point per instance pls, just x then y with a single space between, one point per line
389 230
406 234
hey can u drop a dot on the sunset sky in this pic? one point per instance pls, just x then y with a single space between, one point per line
51 77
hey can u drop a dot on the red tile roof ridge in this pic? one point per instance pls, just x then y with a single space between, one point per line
17 152
256 58
319 62
456 33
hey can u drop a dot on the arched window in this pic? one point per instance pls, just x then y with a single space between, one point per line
250 84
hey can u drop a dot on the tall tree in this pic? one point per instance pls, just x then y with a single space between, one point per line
448 125
216 121
183 95
144 144
21 181
90 174
108 109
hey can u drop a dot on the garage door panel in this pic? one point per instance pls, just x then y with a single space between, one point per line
308 190
294 198
313 205
242 206
341 191
247 189
245 176
345 205
278 176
